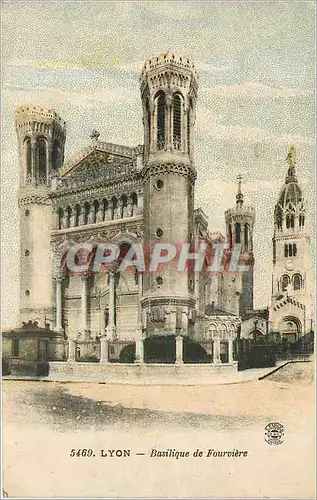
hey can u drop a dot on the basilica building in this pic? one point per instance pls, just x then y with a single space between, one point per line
146 194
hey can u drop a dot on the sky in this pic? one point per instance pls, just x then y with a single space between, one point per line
256 66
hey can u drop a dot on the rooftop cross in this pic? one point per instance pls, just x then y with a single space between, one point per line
94 135
239 195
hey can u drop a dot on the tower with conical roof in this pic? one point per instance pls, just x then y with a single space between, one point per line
290 311
238 287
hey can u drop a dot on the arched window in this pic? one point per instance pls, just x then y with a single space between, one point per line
96 208
230 236
77 214
246 236
222 331
68 216
177 121
105 208
286 250
160 123
232 330
42 159
292 221
284 282
86 213
297 282
60 218
290 250
211 331
114 207
134 199
28 156
288 221
189 114
56 156
148 114
238 232
294 250
301 220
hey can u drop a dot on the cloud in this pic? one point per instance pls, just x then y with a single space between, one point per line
212 68
209 125
18 94
255 90
45 64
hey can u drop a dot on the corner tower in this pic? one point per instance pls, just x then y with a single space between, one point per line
41 139
169 94
290 312
238 290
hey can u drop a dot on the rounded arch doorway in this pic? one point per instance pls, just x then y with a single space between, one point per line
290 328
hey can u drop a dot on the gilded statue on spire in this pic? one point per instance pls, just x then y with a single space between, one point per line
291 160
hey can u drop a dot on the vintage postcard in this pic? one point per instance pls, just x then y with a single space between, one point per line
158 249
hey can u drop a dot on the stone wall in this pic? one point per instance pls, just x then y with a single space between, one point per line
130 373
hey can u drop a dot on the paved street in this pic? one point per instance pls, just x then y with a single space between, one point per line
44 421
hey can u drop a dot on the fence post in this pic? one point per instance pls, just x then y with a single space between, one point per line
71 351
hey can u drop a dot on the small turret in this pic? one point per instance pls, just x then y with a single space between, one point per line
41 135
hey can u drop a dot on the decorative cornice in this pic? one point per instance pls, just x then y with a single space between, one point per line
167 300
98 189
99 232
35 200
182 169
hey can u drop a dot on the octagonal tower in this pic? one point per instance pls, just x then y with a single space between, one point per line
169 94
41 137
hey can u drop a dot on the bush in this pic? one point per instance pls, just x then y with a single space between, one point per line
88 359
5 367
42 368
259 356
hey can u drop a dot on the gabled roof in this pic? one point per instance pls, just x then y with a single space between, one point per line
210 310
101 162
103 150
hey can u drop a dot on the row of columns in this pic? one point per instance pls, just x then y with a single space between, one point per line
111 328
68 217
139 350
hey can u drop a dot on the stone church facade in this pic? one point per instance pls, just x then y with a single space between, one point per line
143 194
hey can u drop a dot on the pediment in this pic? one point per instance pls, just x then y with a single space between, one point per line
95 162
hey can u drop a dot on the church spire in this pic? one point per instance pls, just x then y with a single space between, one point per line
291 160
239 195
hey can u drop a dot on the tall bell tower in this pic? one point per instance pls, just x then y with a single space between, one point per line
169 94
291 305
238 288
41 138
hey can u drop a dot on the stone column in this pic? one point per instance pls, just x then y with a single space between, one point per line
217 359
109 211
230 350
140 295
168 122
58 281
33 158
84 311
139 347
71 351
111 328
54 218
99 213
179 349
104 349
184 320
140 202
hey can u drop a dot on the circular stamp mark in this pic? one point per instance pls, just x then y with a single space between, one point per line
274 433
